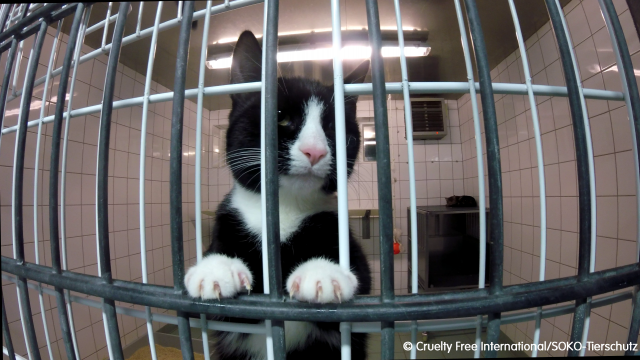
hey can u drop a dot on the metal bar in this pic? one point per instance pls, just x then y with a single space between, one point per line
540 159
480 168
142 178
632 101
175 176
147 32
358 327
53 179
32 29
384 173
408 120
198 169
548 292
5 330
63 175
140 18
29 19
350 89
99 25
358 89
341 157
4 15
493 166
263 186
106 28
270 170
18 193
5 84
102 233
36 186
582 154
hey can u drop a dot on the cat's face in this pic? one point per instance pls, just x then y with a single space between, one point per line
306 126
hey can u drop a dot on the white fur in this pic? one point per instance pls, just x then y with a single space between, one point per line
327 274
296 333
216 268
311 135
294 208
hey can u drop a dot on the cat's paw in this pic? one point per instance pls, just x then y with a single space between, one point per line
218 276
321 281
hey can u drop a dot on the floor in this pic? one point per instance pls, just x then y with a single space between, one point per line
374 351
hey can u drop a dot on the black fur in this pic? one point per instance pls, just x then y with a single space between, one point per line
317 236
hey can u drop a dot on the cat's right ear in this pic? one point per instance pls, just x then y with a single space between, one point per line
246 63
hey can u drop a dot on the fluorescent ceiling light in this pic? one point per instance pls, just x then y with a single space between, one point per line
348 52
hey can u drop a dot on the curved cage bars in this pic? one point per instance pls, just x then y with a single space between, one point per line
387 313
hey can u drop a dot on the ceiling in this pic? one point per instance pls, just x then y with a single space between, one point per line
444 63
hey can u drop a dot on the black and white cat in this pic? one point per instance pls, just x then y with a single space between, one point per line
308 218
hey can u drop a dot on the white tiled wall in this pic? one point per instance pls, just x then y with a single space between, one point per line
613 164
124 160
439 174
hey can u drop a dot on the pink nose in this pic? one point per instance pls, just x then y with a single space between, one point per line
314 154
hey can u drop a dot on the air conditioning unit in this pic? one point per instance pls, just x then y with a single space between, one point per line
430 117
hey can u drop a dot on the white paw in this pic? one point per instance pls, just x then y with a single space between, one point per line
321 281
218 276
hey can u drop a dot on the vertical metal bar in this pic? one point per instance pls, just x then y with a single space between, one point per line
104 256
143 156
4 15
493 165
53 178
480 166
5 82
175 174
270 169
5 331
36 186
408 120
18 194
541 176
578 113
263 184
632 101
106 27
139 18
17 72
63 176
384 172
341 157
180 5
199 150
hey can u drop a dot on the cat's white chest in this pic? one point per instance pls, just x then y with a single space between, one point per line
293 210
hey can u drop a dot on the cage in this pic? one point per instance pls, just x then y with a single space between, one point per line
97 255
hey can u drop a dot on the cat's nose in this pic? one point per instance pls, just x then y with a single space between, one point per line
314 154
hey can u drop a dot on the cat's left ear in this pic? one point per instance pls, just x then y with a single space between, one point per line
247 59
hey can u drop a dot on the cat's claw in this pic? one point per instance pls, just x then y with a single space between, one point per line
218 276
310 281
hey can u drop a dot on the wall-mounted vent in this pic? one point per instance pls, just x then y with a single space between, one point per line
429 118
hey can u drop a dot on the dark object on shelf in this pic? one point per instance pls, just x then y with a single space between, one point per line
449 247
461 201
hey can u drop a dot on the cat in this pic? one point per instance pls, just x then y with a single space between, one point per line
461 201
308 212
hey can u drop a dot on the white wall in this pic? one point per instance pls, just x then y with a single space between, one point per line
80 198
615 188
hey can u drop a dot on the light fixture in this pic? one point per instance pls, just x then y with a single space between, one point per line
348 52
312 45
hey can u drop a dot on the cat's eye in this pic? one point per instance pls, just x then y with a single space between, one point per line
285 121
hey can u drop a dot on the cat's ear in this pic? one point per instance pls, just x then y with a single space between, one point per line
357 76
246 63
